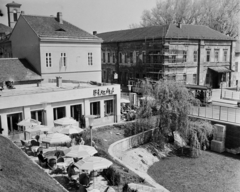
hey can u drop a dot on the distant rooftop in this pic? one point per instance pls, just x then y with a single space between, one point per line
5 29
29 89
170 31
14 69
49 26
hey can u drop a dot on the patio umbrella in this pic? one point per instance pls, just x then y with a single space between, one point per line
93 163
90 150
71 129
65 121
28 122
124 100
77 154
56 138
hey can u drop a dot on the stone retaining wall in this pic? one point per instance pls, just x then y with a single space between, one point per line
116 149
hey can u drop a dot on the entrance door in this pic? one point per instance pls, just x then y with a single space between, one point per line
215 80
13 120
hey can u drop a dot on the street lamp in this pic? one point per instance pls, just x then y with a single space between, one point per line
91 119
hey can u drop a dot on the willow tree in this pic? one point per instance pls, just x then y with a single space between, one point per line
173 104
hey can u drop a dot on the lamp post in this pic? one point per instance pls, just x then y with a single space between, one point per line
91 119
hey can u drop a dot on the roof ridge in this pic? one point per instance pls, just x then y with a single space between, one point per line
167 30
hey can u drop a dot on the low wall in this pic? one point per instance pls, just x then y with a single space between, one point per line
116 149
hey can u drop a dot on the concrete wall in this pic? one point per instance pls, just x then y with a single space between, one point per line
25 44
77 67
116 149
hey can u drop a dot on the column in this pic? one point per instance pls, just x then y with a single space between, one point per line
117 106
68 111
26 113
4 124
86 111
48 115
101 108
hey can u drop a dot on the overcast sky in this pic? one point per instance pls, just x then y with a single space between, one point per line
90 15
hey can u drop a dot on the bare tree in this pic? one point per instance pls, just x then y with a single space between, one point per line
221 15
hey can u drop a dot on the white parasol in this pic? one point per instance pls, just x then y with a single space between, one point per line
56 138
90 150
65 121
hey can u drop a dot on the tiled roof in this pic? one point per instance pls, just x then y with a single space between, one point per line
170 31
16 70
5 29
50 27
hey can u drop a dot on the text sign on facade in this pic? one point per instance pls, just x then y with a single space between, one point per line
98 92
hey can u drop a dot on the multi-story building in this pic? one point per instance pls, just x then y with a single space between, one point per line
194 54
46 48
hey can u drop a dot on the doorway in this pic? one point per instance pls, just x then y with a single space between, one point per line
59 113
12 121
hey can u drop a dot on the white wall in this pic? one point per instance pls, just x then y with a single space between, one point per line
77 67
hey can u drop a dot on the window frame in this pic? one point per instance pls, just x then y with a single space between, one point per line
225 55
208 55
108 57
108 107
184 56
104 59
120 57
194 78
195 56
216 53
48 60
64 59
98 107
90 58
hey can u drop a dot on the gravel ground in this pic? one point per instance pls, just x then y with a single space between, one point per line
211 172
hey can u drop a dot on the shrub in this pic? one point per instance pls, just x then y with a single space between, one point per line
112 175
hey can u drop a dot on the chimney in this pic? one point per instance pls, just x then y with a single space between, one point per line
179 25
59 81
94 32
22 12
59 17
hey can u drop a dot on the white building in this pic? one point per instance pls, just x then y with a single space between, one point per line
49 102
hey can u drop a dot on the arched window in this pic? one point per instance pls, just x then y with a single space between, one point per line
15 15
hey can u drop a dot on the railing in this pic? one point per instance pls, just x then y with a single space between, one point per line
216 112
233 95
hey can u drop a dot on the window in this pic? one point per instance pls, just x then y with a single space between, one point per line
113 57
131 57
108 108
15 15
59 113
76 112
108 54
194 78
48 60
104 57
125 58
12 121
38 115
64 59
225 52
104 74
95 108
184 56
195 56
208 56
236 66
120 57
216 55
144 57
137 57
90 59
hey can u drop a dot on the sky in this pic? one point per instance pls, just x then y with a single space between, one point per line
90 15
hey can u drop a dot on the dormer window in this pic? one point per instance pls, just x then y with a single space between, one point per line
61 29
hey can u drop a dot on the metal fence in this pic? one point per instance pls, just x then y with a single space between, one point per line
228 114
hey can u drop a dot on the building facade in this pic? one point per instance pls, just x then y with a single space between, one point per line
50 102
188 53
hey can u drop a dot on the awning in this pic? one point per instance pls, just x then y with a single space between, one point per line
221 69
